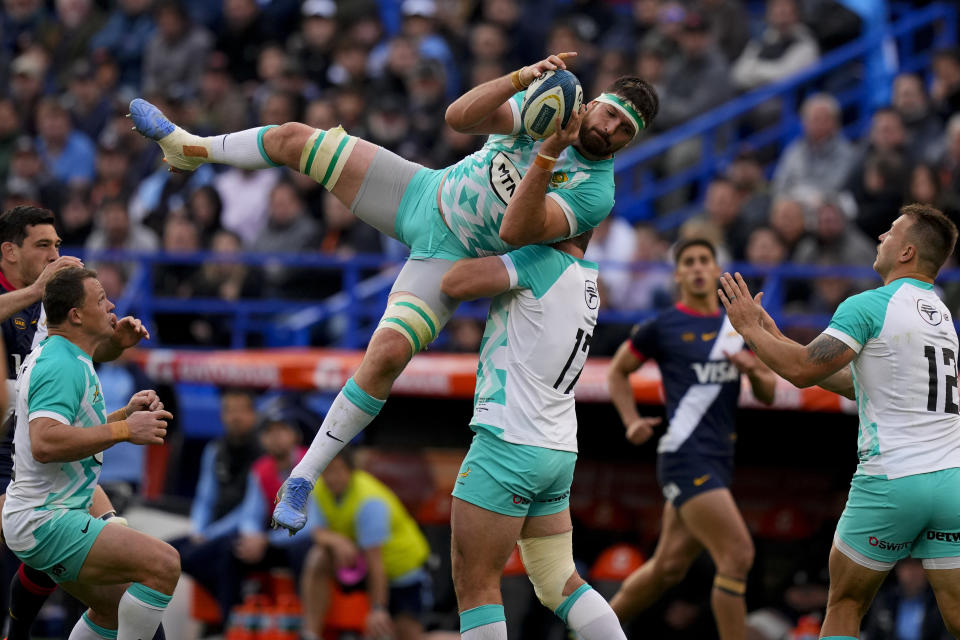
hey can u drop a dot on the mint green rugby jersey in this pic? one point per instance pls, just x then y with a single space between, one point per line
476 190
905 377
57 381
534 346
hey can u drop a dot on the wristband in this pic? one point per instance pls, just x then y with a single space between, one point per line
545 162
517 82
119 414
120 430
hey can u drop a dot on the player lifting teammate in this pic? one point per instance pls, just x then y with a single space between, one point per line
894 349
701 358
514 191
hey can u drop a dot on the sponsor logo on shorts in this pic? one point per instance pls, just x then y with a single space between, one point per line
86 527
671 491
520 500
886 545
699 481
560 498
944 536
464 474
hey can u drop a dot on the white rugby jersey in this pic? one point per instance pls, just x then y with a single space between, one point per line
534 346
905 377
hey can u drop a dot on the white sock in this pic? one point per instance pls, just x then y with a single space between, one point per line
492 631
87 630
351 412
241 149
592 618
140 612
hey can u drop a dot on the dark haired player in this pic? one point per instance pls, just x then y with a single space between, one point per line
701 359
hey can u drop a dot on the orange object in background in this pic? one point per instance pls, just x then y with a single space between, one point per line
616 563
348 612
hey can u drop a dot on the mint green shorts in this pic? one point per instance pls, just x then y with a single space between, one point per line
886 520
63 544
419 224
515 479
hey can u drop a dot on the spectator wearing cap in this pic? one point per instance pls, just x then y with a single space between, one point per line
89 106
124 37
69 154
785 47
363 524
68 37
694 83
26 86
170 60
312 45
821 159
924 127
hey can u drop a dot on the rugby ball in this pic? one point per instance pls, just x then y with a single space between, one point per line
555 93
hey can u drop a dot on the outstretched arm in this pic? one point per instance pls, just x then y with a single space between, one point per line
128 332
484 109
804 366
763 381
473 278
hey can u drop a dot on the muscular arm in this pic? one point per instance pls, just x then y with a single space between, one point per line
840 383
14 301
531 217
473 278
618 380
763 383
484 109
54 441
802 366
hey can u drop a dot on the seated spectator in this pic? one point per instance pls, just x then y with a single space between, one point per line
241 35
220 104
789 219
722 206
204 208
731 25
90 108
887 137
905 607
28 176
170 60
27 72
114 231
765 248
68 37
216 512
945 89
289 230
703 227
312 44
75 222
364 525
180 235
343 233
124 37
925 188
113 178
948 164
924 127
748 178
885 178
785 47
821 159
246 198
67 153
9 130
648 287
834 240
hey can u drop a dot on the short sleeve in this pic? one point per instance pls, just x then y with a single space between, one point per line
585 202
372 524
859 318
56 390
515 101
535 267
643 340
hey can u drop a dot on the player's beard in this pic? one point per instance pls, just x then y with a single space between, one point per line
595 143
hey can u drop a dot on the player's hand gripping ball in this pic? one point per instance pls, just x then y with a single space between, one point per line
555 93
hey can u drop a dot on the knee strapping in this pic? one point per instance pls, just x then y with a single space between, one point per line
549 564
412 318
731 586
325 155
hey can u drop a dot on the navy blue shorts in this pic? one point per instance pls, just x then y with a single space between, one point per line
683 476
413 596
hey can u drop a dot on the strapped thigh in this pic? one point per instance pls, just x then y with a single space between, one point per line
417 308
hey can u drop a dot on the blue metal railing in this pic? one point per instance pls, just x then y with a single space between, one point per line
365 280
638 187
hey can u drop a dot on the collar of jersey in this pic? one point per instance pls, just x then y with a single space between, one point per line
586 160
917 283
6 283
693 312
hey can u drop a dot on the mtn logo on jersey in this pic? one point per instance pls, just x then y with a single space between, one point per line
504 177
591 294
930 314
715 372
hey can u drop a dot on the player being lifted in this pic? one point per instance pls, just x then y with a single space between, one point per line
894 349
514 191
701 358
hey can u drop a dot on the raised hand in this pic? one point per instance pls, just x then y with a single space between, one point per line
148 427
550 63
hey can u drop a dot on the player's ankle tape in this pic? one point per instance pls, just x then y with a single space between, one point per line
120 430
733 586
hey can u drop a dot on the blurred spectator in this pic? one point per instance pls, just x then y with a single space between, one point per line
488 41
113 230
216 512
112 179
648 287
365 526
887 137
29 178
68 37
765 248
945 88
834 240
613 241
785 47
629 34
750 181
164 191
698 80
789 220
731 25
350 63
221 105
22 23
703 227
722 206
388 124
9 130
391 79
76 221
312 44
170 62
124 37
948 165
280 107
204 208
241 37
68 154
925 188
222 277
525 34
343 232
425 87
90 108
289 230
463 335
180 235
820 160
905 608
885 177
924 127
245 196
26 86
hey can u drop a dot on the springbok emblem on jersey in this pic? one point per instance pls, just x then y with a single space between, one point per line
930 314
591 295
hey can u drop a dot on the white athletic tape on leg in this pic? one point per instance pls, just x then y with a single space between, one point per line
325 155
412 318
549 564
